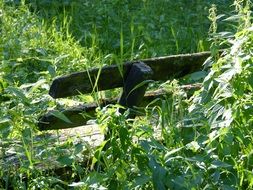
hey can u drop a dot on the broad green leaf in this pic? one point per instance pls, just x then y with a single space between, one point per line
78 148
97 154
198 75
145 82
158 174
233 18
52 71
27 134
65 160
5 127
18 93
36 86
168 154
141 180
219 164
124 138
60 115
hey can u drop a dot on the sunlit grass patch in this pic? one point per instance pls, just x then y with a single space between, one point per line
202 143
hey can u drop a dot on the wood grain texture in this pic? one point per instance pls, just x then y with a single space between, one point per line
81 114
110 77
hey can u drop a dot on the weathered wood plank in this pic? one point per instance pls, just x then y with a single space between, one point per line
77 115
81 114
12 153
110 77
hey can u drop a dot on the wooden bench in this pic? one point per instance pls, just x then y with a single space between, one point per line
132 76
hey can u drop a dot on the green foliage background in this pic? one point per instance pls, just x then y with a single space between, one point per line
205 142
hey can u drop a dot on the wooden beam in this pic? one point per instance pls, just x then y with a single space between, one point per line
135 86
110 77
81 114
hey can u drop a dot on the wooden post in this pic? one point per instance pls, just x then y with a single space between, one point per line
135 85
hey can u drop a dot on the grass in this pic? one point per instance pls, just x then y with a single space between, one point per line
205 142
149 28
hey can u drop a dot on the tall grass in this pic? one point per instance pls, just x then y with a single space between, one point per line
202 143
154 27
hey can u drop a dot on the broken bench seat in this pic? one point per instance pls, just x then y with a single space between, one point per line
132 76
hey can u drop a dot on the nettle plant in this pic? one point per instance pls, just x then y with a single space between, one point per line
218 154
225 98
224 104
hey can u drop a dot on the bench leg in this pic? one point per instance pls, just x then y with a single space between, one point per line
135 85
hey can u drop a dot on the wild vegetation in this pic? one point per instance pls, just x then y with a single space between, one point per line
204 141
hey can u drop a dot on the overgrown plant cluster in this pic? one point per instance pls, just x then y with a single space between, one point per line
198 142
